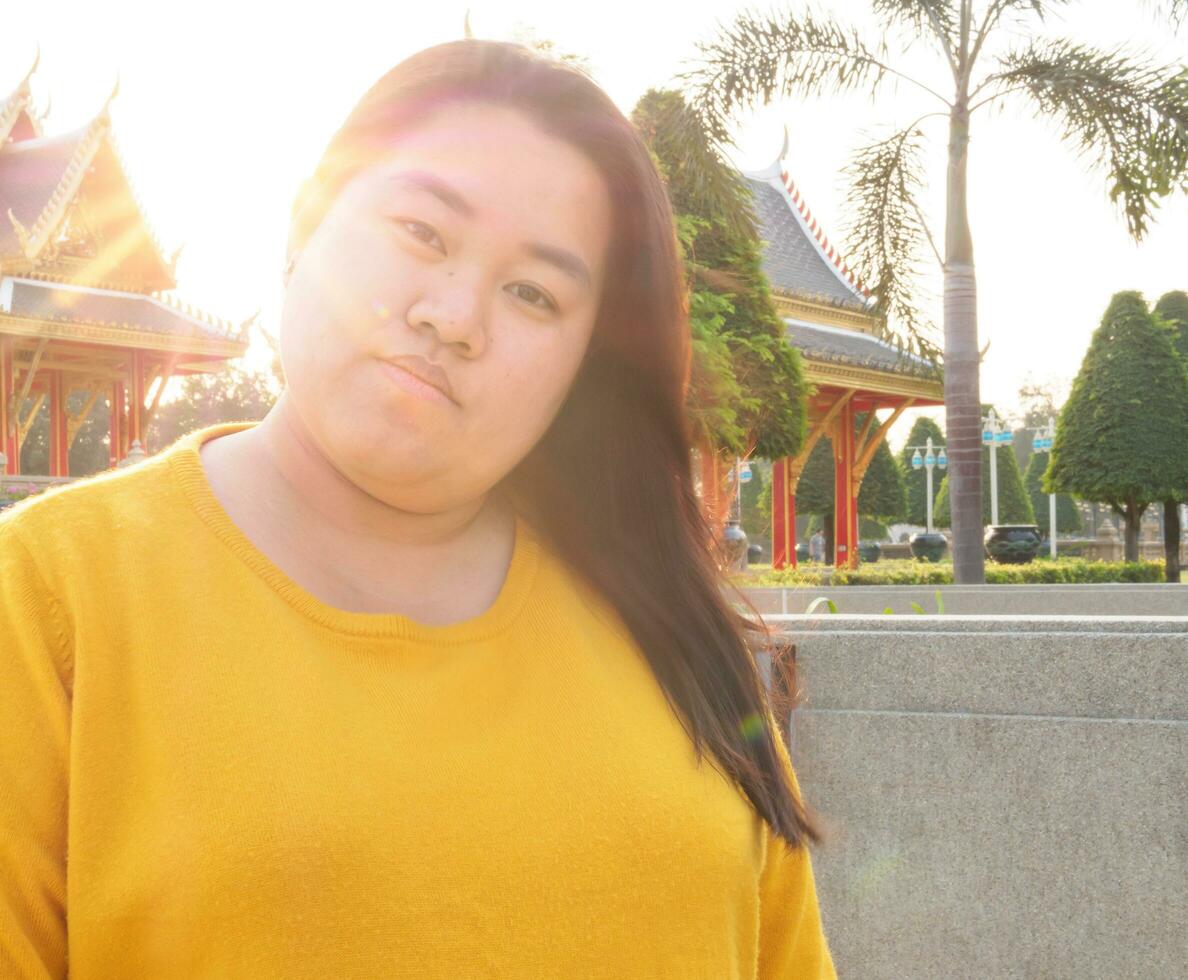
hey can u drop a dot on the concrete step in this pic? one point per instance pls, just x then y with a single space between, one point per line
1124 599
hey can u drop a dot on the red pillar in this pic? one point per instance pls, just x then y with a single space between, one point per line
136 401
59 446
8 418
713 496
116 427
783 515
845 506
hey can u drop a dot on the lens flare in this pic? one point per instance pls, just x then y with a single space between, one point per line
752 727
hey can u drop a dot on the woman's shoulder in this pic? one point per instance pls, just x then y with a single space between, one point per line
84 518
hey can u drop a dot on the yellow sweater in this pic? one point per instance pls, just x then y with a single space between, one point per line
206 771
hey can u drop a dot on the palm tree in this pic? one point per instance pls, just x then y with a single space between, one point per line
1131 113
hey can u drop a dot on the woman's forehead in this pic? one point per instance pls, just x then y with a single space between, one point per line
494 166
476 150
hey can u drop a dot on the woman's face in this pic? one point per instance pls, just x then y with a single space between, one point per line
479 244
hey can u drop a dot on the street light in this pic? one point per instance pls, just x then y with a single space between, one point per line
995 433
928 462
1042 443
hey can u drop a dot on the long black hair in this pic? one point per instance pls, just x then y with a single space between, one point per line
609 486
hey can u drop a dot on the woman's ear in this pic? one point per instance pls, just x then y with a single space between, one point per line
302 219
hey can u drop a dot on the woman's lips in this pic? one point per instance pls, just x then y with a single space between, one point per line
410 383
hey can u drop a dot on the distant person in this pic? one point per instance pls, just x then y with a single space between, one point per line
817 547
377 685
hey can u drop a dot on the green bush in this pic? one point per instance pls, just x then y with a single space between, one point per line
911 572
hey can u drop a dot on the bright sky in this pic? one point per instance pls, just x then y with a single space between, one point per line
225 106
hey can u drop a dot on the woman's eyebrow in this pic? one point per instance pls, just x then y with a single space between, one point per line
560 258
438 188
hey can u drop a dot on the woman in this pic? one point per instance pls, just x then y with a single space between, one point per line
414 677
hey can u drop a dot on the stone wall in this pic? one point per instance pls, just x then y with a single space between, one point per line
1003 796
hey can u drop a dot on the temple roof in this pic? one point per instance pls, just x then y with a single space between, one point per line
841 346
62 303
797 257
68 195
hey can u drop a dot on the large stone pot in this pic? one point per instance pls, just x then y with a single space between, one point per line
1013 544
734 546
869 551
928 547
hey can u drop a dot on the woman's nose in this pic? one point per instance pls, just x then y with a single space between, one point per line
453 306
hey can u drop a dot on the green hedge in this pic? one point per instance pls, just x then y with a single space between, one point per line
910 572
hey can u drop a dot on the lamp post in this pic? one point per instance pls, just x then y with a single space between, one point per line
1042 443
733 537
743 475
928 462
995 433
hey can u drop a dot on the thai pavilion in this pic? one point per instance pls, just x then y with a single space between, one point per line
83 291
829 318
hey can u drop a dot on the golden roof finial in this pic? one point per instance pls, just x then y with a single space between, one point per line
114 92
36 62
22 233
466 31
173 259
246 325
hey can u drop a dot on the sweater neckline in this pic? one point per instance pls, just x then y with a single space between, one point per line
187 468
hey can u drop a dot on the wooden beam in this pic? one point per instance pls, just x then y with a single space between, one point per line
90 370
165 376
869 448
28 423
797 464
75 422
18 399
860 442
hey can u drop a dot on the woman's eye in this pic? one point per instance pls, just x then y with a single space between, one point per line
424 233
533 295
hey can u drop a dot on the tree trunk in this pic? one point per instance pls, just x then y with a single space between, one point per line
1133 517
827 527
963 403
1171 540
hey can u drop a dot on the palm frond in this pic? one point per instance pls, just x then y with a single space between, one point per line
1132 114
998 8
939 17
1175 11
760 58
886 234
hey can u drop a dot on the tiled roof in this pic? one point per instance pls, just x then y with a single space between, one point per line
30 171
840 346
57 302
791 260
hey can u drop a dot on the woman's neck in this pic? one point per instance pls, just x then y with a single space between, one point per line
306 483
346 546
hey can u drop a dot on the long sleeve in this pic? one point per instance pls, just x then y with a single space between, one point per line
35 694
792 942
